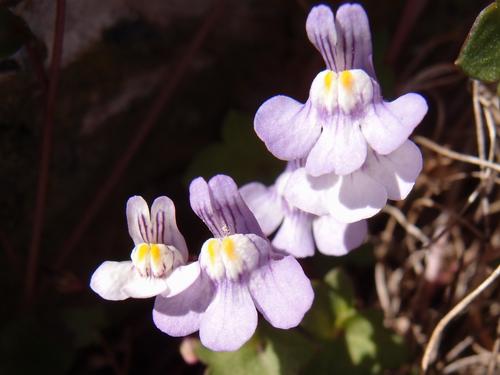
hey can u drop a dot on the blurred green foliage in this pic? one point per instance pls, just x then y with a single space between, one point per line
240 154
480 54
334 337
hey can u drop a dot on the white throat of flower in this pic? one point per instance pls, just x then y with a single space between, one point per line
345 90
154 260
228 257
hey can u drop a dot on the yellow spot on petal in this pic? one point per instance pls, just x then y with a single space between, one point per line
155 254
329 76
212 248
142 252
346 79
228 246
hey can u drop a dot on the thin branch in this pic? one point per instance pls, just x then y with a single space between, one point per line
431 349
172 80
46 152
455 155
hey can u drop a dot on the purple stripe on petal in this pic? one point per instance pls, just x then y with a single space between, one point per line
138 219
320 27
164 225
180 315
201 203
282 292
231 318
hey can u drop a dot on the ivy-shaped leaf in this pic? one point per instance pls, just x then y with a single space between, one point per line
480 54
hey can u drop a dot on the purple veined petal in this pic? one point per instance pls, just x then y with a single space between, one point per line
307 193
220 206
231 318
288 128
164 225
354 30
116 281
397 171
340 149
386 126
265 204
322 33
355 197
335 238
295 234
139 224
180 315
282 292
182 278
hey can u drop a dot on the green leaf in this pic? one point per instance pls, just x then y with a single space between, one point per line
240 154
268 352
13 33
480 54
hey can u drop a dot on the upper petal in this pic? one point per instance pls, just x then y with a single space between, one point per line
180 315
335 238
282 292
295 234
355 197
356 42
386 126
139 224
341 148
231 318
397 171
164 225
344 43
287 127
322 33
265 204
220 206
119 280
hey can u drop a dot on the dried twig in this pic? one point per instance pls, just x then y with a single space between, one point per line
455 155
433 344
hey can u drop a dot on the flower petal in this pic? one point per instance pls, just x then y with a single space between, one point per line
344 43
335 238
265 204
288 128
220 206
230 320
397 171
180 315
282 292
139 224
386 126
164 225
307 193
355 197
353 29
182 278
322 33
295 234
117 281
341 148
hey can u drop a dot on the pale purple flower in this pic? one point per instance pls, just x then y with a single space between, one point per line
158 253
345 116
361 194
238 274
299 232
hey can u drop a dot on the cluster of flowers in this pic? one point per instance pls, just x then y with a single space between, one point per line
347 151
